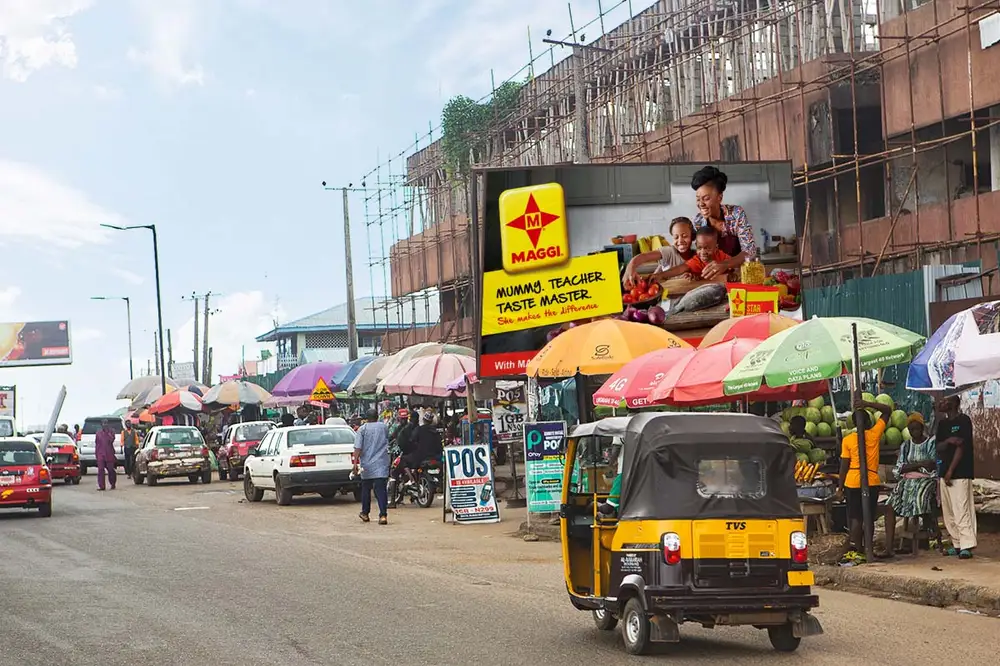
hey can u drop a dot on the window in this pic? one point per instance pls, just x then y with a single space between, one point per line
92 425
320 436
179 437
595 465
6 428
252 432
265 443
19 453
742 478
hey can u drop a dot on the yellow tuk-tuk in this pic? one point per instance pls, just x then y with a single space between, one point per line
707 528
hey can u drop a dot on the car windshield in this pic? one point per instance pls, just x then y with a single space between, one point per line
320 436
92 426
6 428
740 478
19 453
179 437
251 432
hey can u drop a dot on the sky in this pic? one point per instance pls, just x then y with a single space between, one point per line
216 120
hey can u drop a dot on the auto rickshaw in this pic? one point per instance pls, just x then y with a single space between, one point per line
708 528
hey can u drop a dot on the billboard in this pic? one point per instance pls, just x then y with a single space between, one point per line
8 398
35 343
666 243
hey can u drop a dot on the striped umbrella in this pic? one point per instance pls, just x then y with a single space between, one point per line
236 393
179 400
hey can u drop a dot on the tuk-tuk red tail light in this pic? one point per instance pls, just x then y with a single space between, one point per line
75 457
671 548
800 548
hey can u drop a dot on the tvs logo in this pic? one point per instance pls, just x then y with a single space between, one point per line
533 228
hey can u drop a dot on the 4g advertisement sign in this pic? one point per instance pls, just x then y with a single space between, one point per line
470 484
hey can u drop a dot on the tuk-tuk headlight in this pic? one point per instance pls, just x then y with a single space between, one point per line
671 548
800 548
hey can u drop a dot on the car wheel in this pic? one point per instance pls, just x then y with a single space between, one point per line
45 510
252 492
151 479
604 620
782 639
83 469
234 475
67 480
206 476
137 478
635 628
284 495
223 474
76 480
193 478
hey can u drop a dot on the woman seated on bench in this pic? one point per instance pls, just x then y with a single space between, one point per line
915 494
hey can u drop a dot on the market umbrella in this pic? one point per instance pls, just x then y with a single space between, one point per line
194 387
343 378
140 384
419 350
821 348
181 400
236 393
963 352
696 379
429 375
633 382
301 381
142 416
150 395
751 327
366 381
599 348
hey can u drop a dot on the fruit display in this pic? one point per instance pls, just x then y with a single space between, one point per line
651 243
644 293
789 289
805 472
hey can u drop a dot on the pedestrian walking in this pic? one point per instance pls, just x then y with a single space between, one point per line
130 443
371 454
77 433
104 450
954 446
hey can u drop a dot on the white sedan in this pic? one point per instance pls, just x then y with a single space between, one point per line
300 460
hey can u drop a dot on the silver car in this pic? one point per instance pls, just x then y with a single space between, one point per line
91 425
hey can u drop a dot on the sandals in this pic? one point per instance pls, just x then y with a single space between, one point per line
364 518
965 554
383 520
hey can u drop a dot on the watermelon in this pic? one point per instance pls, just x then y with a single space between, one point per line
827 415
787 413
849 421
898 419
802 456
893 437
785 428
817 456
813 415
885 399
906 434
811 428
867 397
801 444
816 403
824 430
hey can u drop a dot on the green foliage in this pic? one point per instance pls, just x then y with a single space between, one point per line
465 124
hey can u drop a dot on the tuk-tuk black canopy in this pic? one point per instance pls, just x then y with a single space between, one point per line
706 465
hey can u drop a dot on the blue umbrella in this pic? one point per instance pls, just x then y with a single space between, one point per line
933 369
343 377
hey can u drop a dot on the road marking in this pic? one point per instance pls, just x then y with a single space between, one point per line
191 508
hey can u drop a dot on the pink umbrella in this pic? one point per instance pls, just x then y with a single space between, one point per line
182 400
429 375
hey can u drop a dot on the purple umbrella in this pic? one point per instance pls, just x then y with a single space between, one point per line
301 381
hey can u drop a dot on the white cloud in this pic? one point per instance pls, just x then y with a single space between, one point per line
36 208
8 296
127 275
242 316
107 93
34 35
171 34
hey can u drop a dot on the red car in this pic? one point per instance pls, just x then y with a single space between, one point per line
25 481
236 443
62 457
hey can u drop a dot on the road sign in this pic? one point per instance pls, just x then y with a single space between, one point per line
321 392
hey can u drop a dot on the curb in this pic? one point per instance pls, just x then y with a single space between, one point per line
938 593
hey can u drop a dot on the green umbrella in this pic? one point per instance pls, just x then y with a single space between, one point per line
821 348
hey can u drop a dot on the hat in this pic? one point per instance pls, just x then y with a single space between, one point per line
403 413
915 417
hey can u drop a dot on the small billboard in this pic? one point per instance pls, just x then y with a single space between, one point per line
35 343
8 398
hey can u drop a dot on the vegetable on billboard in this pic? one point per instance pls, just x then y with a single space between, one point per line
35 343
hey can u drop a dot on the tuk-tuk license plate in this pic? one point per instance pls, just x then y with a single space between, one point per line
801 578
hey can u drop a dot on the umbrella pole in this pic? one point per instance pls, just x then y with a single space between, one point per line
867 519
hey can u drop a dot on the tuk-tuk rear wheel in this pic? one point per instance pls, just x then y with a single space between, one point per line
782 639
635 628
604 620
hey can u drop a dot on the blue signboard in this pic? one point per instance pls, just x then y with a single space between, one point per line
544 447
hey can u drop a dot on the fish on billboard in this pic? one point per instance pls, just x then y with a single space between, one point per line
35 343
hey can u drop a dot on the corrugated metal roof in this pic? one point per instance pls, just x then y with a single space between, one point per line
368 316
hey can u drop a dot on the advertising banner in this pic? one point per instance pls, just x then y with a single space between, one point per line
34 343
509 411
8 395
470 484
544 446
561 242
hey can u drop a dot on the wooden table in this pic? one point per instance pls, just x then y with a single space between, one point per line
819 512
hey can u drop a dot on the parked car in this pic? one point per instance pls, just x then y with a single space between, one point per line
88 438
61 457
170 452
25 481
299 460
7 427
239 439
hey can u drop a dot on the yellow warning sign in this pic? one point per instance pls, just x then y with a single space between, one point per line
322 392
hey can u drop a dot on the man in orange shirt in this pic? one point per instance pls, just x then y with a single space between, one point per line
850 473
707 251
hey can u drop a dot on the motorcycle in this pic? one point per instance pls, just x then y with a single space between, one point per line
422 491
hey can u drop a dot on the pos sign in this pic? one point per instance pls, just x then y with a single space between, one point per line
544 447
470 484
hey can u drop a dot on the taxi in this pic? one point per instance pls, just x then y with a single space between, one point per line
62 457
25 481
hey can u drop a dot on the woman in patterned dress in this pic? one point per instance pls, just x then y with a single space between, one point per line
735 232
915 494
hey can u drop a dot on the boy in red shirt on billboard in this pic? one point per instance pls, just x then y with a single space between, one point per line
706 252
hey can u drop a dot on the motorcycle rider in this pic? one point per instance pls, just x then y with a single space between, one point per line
426 443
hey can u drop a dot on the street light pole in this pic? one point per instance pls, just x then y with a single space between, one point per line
128 315
159 302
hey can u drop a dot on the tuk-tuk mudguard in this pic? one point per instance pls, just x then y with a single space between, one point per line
586 604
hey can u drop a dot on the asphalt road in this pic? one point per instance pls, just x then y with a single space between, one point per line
190 575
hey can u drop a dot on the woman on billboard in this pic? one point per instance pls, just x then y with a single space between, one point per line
735 231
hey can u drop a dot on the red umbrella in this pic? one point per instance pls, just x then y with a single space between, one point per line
752 327
633 382
182 400
697 378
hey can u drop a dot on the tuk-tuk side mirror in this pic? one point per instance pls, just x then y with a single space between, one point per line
48 460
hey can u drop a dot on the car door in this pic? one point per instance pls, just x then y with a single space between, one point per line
254 465
272 460
142 456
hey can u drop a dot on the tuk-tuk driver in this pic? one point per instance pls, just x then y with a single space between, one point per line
610 506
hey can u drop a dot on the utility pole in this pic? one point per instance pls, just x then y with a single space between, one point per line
206 371
581 149
156 354
195 349
170 355
352 322
208 375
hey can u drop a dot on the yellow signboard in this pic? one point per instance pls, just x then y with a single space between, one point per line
750 299
533 230
585 287
322 392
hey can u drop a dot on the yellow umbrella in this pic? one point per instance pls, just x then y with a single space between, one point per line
599 348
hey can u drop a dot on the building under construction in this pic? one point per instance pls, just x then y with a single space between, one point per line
884 108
